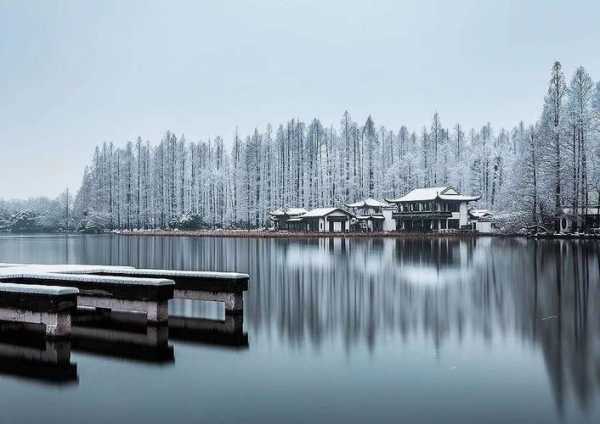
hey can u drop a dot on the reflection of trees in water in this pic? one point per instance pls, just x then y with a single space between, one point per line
360 290
569 332
551 295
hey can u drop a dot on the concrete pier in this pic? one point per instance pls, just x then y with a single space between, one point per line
148 296
42 305
225 287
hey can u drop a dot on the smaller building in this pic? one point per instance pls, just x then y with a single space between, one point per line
481 220
327 220
371 215
287 219
584 220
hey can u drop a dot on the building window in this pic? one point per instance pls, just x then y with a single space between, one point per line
453 224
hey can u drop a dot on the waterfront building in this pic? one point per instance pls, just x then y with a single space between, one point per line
481 220
327 220
287 219
372 216
432 209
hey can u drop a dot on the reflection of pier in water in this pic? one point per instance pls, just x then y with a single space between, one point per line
226 333
121 335
31 357
198 323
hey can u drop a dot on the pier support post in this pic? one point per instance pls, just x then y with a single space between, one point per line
234 303
57 325
157 312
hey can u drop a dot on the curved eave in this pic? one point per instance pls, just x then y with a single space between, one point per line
461 198
354 205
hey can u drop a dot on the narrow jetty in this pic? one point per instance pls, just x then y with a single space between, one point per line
45 305
149 296
224 287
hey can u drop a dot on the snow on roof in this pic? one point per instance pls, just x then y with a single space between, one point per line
365 217
460 197
432 193
320 212
429 193
288 212
370 202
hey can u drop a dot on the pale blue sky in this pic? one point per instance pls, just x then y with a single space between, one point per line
76 73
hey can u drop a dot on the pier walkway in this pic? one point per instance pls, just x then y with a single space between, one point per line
225 287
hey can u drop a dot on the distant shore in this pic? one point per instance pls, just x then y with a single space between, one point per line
311 235
293 235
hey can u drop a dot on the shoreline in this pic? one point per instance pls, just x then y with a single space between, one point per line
307 235
256 234
299 235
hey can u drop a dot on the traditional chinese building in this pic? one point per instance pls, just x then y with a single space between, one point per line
432 209
372 215
327 220
287 219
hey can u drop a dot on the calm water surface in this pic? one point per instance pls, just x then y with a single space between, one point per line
355 331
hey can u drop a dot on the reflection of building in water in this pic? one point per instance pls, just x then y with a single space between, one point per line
357 288
123 336
420 261
547 292
31 357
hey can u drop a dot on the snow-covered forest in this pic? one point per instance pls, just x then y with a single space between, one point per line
38 214
528 171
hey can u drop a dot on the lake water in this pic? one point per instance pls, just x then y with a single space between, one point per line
487 330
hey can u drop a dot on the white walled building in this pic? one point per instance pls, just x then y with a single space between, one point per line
432 209
372 215
327 220
287 219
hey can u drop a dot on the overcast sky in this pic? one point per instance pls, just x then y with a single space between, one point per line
74 74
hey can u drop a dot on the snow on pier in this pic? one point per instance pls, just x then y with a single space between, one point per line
128 289
45 305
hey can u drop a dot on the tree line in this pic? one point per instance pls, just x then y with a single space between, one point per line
528 172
